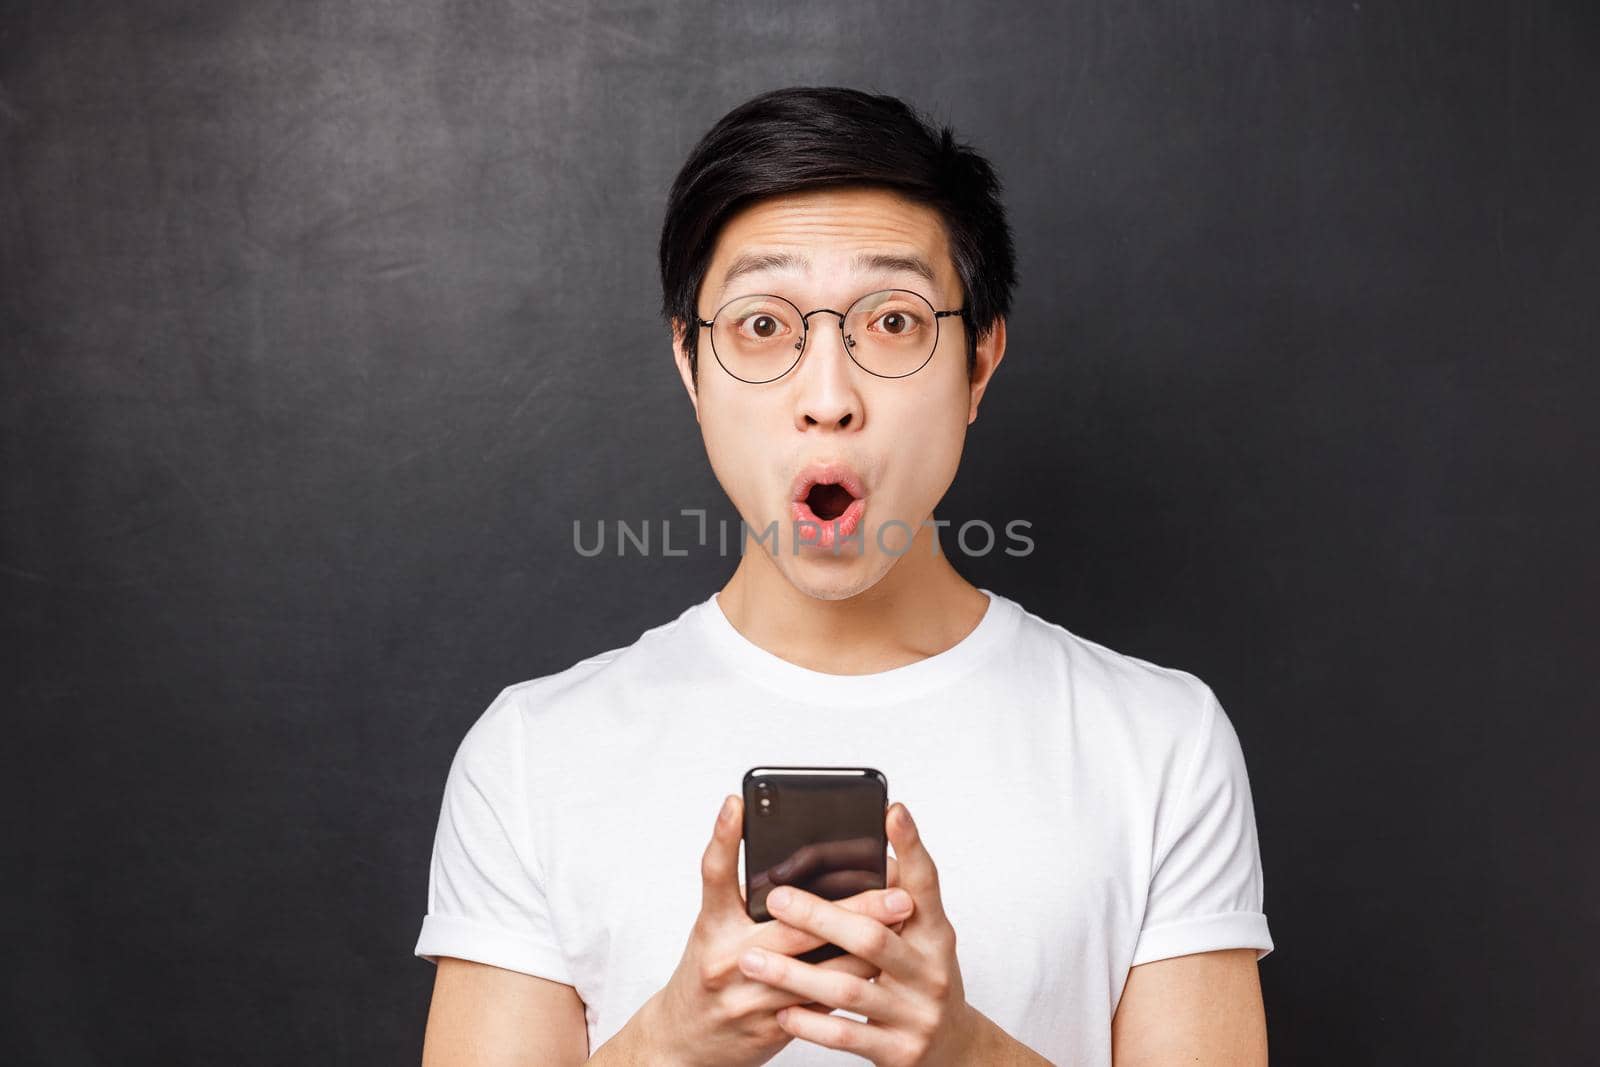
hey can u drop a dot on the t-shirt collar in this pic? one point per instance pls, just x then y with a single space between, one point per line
804 686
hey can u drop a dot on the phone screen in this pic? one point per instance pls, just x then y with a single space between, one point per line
817 828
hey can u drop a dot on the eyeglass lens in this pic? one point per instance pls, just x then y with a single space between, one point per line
759 338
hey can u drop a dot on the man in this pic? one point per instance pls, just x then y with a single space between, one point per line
1083 873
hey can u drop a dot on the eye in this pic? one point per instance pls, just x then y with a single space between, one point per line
764 326
759 321
897 322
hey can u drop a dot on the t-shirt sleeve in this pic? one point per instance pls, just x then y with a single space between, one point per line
1206 887
486 898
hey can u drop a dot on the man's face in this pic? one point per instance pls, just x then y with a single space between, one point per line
901 438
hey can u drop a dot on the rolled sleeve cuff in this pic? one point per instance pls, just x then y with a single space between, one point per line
447 935
1234 929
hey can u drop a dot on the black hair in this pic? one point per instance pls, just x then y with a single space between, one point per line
805 138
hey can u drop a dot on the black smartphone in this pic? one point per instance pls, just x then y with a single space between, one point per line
817 828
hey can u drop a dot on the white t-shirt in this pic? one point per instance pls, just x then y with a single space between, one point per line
1087 812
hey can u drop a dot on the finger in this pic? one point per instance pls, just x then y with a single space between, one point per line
855 933
719 866
918 875
770 998
871 1042
828 987
894 872
850 965
790 940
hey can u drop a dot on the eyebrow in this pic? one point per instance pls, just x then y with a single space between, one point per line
888 263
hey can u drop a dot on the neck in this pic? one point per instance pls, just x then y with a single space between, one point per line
919 608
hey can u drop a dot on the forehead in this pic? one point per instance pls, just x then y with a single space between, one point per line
832 237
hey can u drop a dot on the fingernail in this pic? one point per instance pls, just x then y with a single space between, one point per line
897 900
726 811
779 897
751 961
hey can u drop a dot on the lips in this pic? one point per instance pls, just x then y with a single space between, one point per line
832 497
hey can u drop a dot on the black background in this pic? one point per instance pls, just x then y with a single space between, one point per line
323 322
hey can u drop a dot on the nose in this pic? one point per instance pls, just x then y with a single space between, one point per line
826 395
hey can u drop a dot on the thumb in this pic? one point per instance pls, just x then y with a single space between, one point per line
719 866
918 875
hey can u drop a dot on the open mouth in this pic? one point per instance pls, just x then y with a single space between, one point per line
828 500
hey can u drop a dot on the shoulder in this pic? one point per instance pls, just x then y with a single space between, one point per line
1114 691
1150 734
583 689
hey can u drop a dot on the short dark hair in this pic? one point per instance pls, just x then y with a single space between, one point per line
805 138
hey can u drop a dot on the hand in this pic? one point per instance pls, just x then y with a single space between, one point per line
917 1008
709 1013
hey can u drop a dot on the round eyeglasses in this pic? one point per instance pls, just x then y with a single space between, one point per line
891 333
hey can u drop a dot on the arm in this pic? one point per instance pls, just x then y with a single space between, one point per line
488 1017
1193 993
1200 1009
483 1016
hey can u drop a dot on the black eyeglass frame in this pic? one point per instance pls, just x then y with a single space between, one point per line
849 343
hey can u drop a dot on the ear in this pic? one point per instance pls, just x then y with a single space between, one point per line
681 357
991 350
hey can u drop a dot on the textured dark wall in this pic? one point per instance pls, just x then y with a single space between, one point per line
323 321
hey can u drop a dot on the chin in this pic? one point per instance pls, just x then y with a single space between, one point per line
822 577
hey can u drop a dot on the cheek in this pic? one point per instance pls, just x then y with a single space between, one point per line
938 456
932 435
732 436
